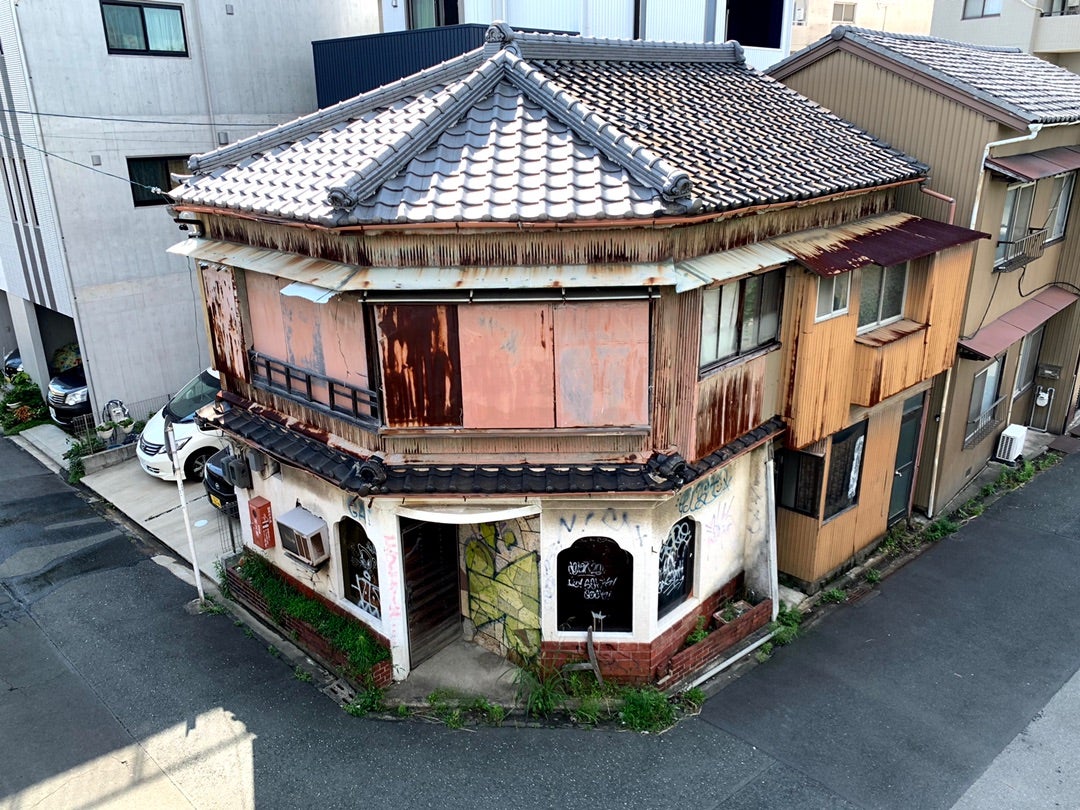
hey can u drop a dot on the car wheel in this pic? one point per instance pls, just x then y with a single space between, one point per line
193 469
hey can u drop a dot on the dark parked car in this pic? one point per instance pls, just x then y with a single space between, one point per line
221 493
69 398
12 363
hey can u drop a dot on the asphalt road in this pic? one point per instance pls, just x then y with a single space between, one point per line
954 681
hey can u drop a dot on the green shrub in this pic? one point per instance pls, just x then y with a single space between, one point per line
366 701
940 529
699 633
834 596
646 709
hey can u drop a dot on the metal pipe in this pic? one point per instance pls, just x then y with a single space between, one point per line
941 425
937 195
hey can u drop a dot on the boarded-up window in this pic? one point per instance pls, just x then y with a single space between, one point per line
324 340
360 569
595 586
421 367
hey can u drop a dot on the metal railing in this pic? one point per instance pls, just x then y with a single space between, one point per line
984 423
1060 8
314 390
1020 252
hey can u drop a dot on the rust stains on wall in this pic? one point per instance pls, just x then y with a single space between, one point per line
729 405
421 377
226 325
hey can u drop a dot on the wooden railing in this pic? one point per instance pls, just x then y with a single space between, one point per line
314 390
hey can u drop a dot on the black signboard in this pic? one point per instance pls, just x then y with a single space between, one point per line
595 586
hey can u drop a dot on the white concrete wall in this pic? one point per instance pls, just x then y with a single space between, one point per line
897 16
136 308
1014 27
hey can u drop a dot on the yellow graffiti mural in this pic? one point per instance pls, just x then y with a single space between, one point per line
504 588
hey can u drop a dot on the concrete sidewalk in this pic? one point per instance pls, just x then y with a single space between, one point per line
151 503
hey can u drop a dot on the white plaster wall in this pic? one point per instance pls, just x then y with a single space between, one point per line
1014 27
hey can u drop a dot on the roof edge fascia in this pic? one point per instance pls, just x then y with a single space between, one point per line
320 120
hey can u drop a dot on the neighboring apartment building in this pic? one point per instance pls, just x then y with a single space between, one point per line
814 19
1049 29
128 90
1000 131
506 345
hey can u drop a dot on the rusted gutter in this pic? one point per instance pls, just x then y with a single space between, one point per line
937 195
592 224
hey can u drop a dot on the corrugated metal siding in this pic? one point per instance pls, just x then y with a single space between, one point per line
941 133
420 365
676 350
729 403
350 66
227 342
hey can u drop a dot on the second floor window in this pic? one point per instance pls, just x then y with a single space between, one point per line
432 13
1060 201
843 12
144 28
881 295
153 173
740 317
1015 218
832 295
981 8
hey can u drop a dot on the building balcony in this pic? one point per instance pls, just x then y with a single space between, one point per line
1058 29
356 404
1020 252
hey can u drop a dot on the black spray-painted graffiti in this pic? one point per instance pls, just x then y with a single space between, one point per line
704 492
676 566
362 573
595 586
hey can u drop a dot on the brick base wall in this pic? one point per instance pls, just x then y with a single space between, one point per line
664 658
302 633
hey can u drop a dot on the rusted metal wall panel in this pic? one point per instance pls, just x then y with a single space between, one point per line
421 365
227 341
507 365
264 307
602 364
885 368
950 272
344 340
677 348
729 403
535 447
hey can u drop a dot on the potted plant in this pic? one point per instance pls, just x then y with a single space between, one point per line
106 430
126 425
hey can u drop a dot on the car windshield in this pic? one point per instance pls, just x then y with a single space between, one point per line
197 393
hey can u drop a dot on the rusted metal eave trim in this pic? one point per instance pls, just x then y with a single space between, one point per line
583 225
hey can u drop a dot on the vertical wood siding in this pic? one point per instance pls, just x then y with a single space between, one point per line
227 341
677 336
420 362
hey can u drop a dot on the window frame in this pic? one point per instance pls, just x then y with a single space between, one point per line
740 327
667 602
965 15
800 477
838 500
438 14
1027 363
843 19
1008 231
834 312
150 198
879 321
1058 220
980 421
147 51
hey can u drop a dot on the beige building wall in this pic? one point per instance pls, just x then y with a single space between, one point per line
814 19
1050 29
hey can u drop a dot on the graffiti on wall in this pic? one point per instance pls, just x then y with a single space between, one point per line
502 565
676 566
610 521
704 492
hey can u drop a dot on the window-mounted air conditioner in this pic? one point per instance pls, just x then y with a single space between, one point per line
1011 443
304 536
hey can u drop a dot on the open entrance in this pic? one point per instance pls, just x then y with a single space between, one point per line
432 601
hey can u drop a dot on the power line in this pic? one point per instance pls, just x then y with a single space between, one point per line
140 120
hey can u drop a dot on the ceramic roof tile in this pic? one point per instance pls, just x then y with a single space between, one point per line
551 128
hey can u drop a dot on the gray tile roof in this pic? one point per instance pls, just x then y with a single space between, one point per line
550 128
1019 83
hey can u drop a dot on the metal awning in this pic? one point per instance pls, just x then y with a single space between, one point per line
1000 334
733 263
885 239
340 277
1037 165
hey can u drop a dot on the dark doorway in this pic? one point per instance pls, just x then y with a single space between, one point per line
906 448
430 555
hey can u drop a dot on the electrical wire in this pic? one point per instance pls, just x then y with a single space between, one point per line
264 124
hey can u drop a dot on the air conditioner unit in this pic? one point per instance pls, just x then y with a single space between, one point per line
304 536
236 471
1011 443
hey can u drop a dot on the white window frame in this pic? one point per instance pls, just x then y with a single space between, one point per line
880 321
987 403
1028 362
846 13
1015 216
1061 195
829 305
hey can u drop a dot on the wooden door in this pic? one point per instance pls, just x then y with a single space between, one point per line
430 552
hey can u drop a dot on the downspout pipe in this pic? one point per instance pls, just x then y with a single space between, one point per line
937 195
1033 133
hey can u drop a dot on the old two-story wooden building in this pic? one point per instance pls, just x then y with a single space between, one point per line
1000 131
506 345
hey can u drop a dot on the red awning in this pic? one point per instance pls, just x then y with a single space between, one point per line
1036 165
886 239
1000 334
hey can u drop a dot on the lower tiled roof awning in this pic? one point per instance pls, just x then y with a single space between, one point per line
373 476
885 239
1000 334
1037 165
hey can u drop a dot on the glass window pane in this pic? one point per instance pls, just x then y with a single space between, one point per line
824 296
164 29
769 325
710 324
841 288
990 390
750 313
870 294
123 27
1022 214
1029 361
992 7
422 13
892 295
1061 200
727 340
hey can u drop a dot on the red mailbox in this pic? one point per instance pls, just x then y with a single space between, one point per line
262 522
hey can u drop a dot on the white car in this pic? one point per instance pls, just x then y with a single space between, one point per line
193 446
